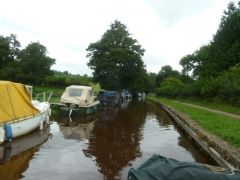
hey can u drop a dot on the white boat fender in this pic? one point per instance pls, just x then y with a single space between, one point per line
41 125
70 112
8 132
49 112
47 120
2 135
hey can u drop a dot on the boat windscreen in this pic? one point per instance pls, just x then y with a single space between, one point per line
75 92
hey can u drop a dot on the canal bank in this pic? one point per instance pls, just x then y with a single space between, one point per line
222 152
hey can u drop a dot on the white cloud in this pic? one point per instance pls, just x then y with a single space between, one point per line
168 30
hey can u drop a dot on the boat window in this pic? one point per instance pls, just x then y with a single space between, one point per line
75 92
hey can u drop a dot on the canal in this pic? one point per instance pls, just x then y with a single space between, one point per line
101 146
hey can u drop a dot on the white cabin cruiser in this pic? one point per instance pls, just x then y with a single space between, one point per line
79 97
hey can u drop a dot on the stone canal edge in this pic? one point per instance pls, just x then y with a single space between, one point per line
223 153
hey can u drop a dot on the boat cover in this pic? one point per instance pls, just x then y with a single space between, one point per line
162 168
15 102
80 95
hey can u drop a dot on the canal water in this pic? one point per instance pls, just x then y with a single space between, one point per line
101 146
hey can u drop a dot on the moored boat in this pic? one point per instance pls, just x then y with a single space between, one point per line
125 95
77 98
19 114
160 167
109 98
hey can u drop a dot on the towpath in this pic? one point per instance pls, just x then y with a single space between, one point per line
211 110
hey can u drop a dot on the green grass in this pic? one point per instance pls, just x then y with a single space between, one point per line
57 92
224 127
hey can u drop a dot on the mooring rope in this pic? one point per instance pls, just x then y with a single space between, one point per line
217 169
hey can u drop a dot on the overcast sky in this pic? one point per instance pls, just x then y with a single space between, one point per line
166 29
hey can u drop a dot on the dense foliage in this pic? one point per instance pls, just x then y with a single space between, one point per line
116 60
35 63
31 65
214 68
63 79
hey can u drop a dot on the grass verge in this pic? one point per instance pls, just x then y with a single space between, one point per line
224 127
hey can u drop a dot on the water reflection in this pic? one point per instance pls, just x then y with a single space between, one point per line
162 118
108 113
183 140
193 149
15 155
77 128
117 142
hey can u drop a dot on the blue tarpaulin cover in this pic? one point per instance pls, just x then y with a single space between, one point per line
162 168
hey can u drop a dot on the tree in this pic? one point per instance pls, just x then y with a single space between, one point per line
198 63
231 10
35 63
9 49
221 53
116 59
166 71
214 67
150 82
226 44
171 86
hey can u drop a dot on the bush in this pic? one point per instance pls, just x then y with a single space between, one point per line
209 87
171 87
190 90
67 80
229 89
225 87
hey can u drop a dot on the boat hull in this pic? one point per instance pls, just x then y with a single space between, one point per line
21 127
81 110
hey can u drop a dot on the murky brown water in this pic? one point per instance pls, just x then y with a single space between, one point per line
102 146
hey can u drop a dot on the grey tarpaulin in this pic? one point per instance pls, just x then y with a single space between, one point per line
162 168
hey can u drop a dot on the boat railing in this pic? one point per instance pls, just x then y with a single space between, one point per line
44 96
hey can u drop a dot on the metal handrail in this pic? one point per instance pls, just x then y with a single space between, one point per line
44 95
